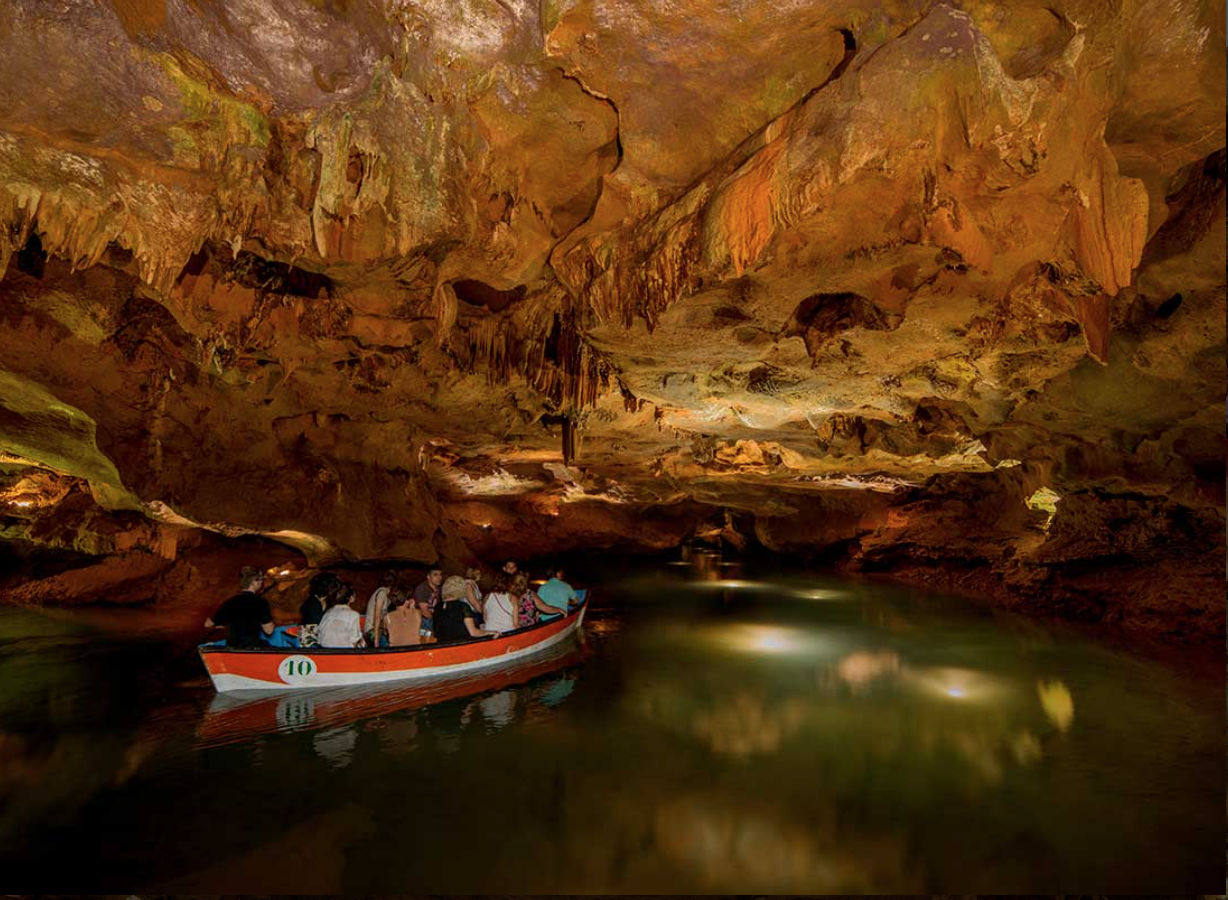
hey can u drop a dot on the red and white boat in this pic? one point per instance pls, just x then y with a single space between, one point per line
275 668
242 715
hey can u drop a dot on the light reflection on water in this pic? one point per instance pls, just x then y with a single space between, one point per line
718 731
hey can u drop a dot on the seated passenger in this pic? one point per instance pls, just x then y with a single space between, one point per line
245 616
556 591
341 626
404 620
528 604
499 611
510 567
377 608
426 595
312 611
473 591
453 616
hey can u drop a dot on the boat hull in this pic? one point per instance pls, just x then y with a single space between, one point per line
238 716
275 669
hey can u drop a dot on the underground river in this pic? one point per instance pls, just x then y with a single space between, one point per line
716 729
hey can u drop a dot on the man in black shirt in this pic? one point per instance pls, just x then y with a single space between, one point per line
426 595
246 614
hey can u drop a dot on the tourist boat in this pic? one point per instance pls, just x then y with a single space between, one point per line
238 716
275 668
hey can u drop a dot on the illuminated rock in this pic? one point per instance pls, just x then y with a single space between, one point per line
805 276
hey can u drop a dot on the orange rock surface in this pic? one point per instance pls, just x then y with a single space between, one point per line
430 280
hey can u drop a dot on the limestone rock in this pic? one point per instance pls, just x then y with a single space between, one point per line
858 280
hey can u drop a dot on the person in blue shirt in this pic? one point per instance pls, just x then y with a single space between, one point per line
557 592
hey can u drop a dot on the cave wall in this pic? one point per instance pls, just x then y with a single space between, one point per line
859 279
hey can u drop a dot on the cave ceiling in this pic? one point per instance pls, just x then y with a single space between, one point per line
331 268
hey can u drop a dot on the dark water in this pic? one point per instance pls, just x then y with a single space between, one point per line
784 735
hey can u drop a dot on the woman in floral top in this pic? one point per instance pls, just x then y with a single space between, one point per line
528 604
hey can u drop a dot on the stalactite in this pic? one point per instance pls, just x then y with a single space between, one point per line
643 275
631 403
544 347
569 441
493 347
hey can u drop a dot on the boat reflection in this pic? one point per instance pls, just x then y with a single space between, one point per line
239 716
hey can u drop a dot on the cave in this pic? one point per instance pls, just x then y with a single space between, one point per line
860 364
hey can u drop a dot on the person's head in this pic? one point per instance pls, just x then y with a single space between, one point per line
453 589
322 585
397 595
554 571
510 567
434 577
251 578
388 579
519 583
473 573
503 583
342 594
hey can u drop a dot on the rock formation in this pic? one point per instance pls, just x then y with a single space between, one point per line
413 279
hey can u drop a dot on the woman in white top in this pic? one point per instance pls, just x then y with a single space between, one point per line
341 626
499 612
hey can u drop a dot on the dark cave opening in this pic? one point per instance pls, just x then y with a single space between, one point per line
479 293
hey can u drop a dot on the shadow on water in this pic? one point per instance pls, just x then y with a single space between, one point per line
725 727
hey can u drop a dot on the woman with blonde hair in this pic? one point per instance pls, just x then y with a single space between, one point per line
453 617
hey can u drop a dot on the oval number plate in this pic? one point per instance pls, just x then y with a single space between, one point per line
296 669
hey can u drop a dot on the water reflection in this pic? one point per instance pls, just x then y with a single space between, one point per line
860 669
447 723
780 745
956 683
294 711
723 844
746 723
498 709
1057 702
336 745
309 854
752 699
399 736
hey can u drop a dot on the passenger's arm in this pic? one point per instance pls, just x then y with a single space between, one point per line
543 606
474 631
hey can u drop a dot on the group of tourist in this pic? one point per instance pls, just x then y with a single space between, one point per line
439 609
